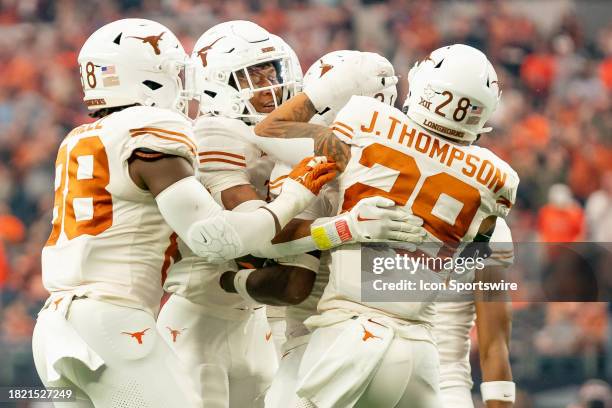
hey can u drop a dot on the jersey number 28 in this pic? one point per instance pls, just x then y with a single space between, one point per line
427 196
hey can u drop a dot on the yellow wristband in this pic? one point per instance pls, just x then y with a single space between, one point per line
320 238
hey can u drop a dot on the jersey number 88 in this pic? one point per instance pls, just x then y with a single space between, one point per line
89 188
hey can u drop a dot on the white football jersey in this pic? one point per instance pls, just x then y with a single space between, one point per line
225 160
452 187
454 320
109 240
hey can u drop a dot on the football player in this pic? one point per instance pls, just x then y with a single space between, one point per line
123 183
282 391
451 327
360 352
452 322
243 72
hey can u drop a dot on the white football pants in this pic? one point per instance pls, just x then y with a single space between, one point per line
406 376
112 356
231 356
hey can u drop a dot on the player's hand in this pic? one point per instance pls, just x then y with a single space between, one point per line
379 219
313 173
300 188
372 219
361 73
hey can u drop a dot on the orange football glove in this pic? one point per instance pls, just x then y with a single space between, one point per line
313 173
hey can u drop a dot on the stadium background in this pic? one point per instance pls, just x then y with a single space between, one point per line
554 126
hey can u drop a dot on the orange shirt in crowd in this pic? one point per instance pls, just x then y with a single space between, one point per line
605 73
561 224
11 230
538 71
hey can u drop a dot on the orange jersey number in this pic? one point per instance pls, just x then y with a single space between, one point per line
427 196
85 188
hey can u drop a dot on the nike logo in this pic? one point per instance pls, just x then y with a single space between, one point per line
268 335
507 395
204 238
360 218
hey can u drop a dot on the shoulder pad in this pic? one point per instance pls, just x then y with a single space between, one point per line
356 113
222 145
158 130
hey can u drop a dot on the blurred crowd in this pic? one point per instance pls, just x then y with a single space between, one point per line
554 125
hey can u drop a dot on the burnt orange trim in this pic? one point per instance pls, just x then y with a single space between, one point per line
148 155
223 161
504 201
143 131
191 147
246 265
212 152
345 133
276 180
160 130
275 186
344 125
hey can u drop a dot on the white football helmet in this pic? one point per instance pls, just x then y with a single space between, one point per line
453 92
230 52
327 62
133 61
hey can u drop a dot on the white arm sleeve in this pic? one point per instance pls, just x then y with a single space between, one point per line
272 251
325 204
211 232
218 235
290 151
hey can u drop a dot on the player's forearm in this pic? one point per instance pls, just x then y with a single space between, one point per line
277 285
293 239
297 109
494 324
494 321
272 250
325 142
495 365
494 361
216 234
290 122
